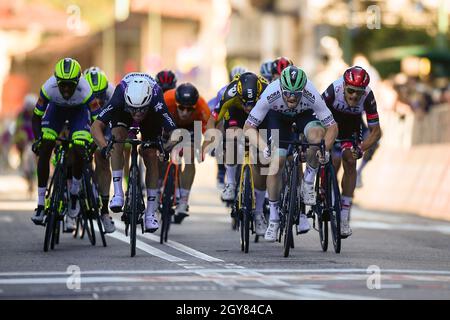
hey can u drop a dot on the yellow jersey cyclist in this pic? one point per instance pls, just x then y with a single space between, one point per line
102 91
64 96
239 98
293 98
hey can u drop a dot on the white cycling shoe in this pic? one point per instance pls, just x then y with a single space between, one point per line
346 231
303 226
260 225
308 193
70 223
116 203
151 223
272 231
74 206
108 223
229 192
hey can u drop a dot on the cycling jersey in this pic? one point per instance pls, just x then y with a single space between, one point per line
271 99
158 115
201 112
349 118
230 98
81 97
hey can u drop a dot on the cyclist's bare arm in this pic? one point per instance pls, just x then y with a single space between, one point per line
97 129
372 139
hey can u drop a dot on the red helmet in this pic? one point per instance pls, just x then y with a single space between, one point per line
356 77
166 79
279 64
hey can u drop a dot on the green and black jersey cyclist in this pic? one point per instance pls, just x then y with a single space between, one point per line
237 101
66 95
102 91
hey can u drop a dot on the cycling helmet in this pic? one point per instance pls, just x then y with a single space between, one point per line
29 102
249 88
186 94
266 70
293 79
138 94
68 69
235 71
356 77
166 79
97 79
279 64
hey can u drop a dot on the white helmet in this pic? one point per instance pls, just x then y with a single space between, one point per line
29 102
138 93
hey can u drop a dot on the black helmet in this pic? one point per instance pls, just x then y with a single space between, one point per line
249 88
186 94
166 79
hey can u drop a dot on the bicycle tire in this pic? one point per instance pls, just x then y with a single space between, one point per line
246 207
334 205
52 210
167 202
134 209
321 215
292 206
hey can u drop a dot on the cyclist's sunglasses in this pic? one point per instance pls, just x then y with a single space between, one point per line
185 108
359 92
295 94
136 110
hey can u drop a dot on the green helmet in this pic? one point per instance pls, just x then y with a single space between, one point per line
96 78
68 69
293 79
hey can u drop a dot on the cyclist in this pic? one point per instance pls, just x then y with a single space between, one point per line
278 65
293 98
23 138
166 79
186 106
102 91
213 104
64 96
348 97
239 98
266 70
137 98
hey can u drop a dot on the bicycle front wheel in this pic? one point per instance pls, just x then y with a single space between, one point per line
334 207
292 209
134 208
246 209
167 202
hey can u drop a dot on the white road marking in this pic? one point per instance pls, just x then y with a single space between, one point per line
175 245
145 247
314 294
404 227
264 271
6 219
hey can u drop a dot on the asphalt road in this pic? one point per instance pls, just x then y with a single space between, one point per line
389 256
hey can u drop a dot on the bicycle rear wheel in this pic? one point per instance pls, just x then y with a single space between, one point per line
52 211
320 211
292 209
334 207
167 202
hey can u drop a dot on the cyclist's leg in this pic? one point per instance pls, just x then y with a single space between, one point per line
186 180
150 130
233 126
276 121
314 133
52 122
102 175
120 123
79 132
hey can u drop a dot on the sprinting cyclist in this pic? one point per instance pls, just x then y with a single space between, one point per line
348 97
293 98
186 106
137 98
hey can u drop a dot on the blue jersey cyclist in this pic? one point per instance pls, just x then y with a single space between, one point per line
65 96
137 98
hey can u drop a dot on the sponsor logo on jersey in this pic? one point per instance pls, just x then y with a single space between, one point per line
328 121
232 91
274 96
309 96
105 110
169 119
159 106
254 121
